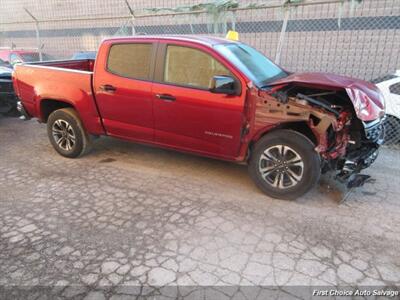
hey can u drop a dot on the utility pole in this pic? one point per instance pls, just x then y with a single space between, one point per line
38 42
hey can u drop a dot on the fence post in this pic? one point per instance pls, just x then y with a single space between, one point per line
282 35
132 13
38 42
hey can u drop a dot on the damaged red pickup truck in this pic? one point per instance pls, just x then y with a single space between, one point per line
212 97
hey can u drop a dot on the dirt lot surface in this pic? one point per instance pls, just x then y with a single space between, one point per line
129 215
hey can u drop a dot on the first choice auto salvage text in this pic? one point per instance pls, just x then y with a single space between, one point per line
356 292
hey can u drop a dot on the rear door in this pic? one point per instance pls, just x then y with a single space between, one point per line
123 85
186 114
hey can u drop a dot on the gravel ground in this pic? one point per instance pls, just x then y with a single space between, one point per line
128 219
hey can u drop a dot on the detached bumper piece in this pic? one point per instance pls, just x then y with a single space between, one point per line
353 166
358 180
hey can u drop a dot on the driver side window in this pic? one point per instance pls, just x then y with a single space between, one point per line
191 67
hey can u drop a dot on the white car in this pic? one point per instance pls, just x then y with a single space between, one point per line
390 87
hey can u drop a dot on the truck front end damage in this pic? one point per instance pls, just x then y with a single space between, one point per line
361 152
348 131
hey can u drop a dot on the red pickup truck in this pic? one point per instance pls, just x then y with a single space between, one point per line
213 97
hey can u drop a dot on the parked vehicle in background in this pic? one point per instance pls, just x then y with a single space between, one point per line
8 100
14 56
84 55
213 97
4 64
390 87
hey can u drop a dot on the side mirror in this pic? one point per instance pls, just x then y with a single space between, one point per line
223 85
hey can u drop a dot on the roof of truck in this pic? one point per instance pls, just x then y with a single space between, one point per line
206 40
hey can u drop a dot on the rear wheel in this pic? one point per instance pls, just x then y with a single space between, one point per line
284 164
67 134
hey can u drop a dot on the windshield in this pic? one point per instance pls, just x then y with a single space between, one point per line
252 63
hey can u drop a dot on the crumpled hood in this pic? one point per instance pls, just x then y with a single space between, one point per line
367 100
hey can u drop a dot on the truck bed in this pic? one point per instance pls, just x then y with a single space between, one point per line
78 65
38 82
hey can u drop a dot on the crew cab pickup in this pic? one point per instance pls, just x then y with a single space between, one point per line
212 97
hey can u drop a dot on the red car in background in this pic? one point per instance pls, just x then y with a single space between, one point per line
13 56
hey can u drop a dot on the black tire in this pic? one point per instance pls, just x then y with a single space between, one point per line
82 143
392 130
305 161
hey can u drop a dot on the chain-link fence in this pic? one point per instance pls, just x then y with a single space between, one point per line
359 38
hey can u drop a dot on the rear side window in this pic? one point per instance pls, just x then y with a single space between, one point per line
395 88
130 60
191 67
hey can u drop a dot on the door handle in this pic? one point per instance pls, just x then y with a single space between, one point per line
166 97
108 88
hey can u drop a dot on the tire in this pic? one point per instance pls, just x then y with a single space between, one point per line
392 130
286 176
63 125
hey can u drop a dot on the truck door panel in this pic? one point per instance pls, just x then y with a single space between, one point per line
124 90
186 114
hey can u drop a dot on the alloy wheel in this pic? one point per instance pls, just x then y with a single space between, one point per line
281 166
63 135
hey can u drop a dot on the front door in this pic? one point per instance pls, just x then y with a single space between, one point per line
186 114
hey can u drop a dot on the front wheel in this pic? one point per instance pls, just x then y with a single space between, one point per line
67 134
284 164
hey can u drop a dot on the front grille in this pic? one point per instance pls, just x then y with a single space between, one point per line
374 130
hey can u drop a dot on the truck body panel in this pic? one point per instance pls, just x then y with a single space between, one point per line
212 122
65 81
127 111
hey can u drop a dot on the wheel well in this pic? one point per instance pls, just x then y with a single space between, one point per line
301 127
47 106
